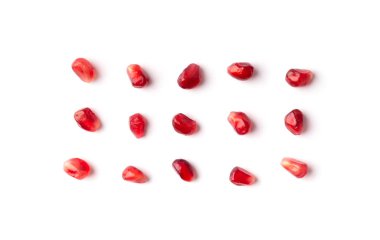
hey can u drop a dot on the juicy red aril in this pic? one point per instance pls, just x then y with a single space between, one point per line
298 77
295 167
137 76
240 122
184 169
87 119
294 122
184 125
134 174
240 176
77 168
190 77
84 69
137 124
241 70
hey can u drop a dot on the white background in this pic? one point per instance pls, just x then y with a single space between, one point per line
39 94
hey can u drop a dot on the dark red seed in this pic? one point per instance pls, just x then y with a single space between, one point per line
240 122
184 170
137 76
240 177
190 77
77 168
298 77
137 124
241 70
84 70
87 119
184 125
297 168
134 174
294 122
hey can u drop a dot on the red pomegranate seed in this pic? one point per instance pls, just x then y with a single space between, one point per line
137 76
295 167
134 174
241 70
77 168
240 177
184 125
87 119
294 122
184 169
240 122
137 124
190 77
84 69
298 77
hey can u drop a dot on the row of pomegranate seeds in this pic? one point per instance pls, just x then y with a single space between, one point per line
88 120
80 169
191 76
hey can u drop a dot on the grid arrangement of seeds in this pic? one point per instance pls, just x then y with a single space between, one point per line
189 78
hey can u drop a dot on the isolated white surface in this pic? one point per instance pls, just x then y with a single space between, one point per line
39 94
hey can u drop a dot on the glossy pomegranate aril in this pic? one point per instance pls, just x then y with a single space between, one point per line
184 169
137 76
77 168
84 70
294 121
134 174
190 77
240 122
184 125
137 124
298 77
241 70
87 119
240 177
295 167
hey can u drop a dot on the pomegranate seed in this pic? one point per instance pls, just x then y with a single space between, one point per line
240 122
137 124
240 177
295 167
84 69
77 168
190 77
87 119
241 70
137 75
298 77
294 122
134 174
184 169
184 125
